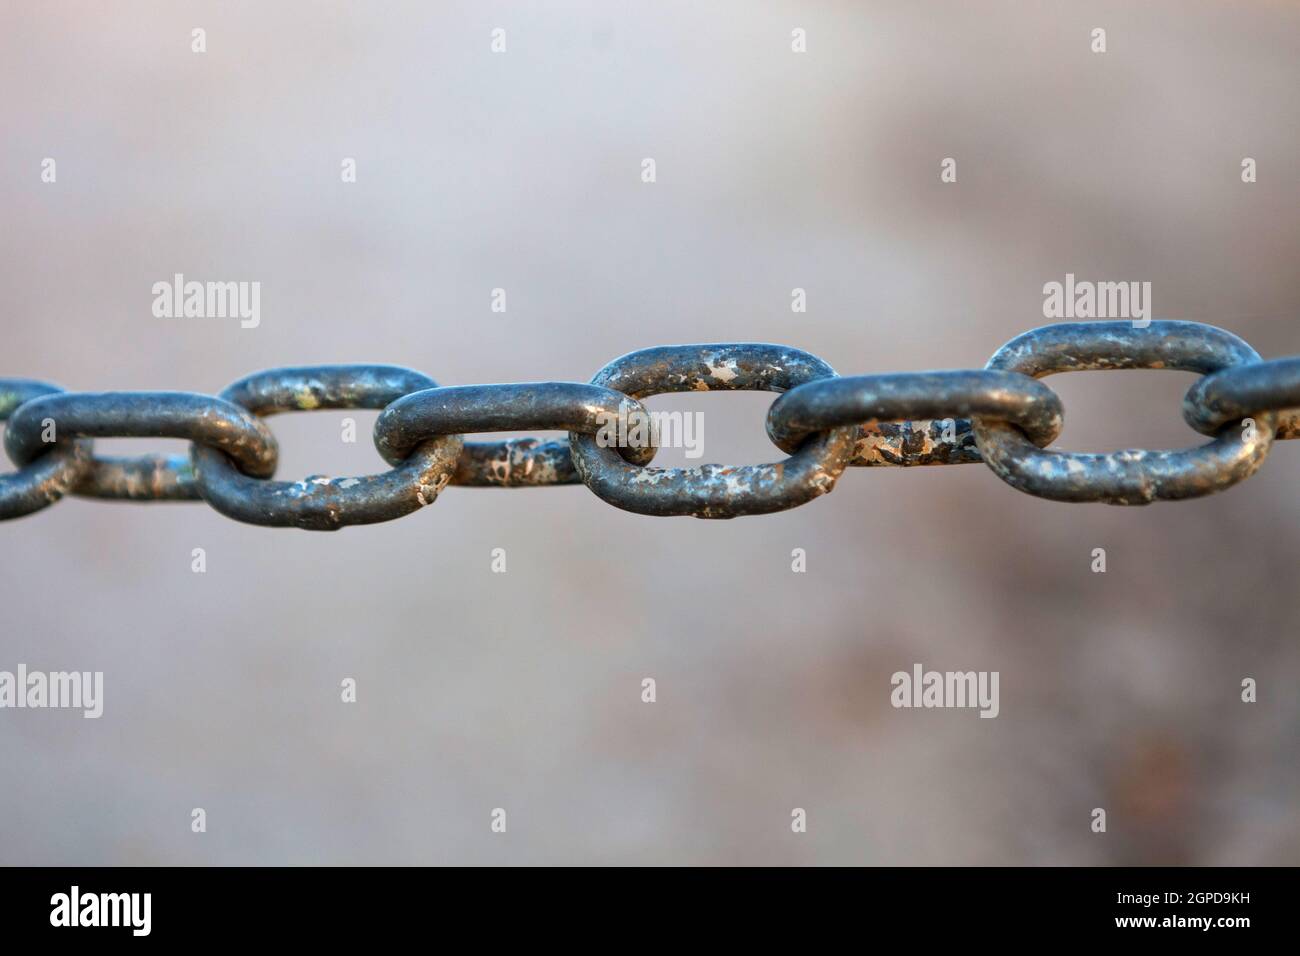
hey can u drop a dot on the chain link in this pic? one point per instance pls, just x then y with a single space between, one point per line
714 491
567 406
50 477
999 415
1135 476
320 503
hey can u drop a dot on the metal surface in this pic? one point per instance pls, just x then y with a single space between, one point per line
947 396
1245 391
200 418
1130 477
47 479
522 406
317 502
714 491
999 415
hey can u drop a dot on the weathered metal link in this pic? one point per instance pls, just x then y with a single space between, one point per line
951 396
516 463
199 418
51 476
319 503
999 415
1134 476
145 478
908 444
714 491
1243 392
17 391
520 406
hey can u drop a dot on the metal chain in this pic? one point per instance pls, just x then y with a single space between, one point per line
999 415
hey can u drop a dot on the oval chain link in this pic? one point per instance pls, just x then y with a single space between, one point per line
1246 391
1136 476
45 480
944 399
714 491
520 406
320 503
198 418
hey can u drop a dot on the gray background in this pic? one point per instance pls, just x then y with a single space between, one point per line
776 170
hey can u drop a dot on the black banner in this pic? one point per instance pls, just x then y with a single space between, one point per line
333 905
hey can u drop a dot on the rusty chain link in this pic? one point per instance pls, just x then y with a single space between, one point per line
999 415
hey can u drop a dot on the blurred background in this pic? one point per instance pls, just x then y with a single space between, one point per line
521 690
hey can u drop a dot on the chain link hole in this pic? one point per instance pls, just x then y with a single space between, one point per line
1116 409
712 427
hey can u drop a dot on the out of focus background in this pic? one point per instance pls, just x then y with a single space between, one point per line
775 170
